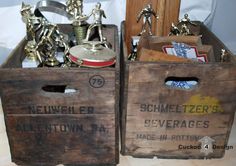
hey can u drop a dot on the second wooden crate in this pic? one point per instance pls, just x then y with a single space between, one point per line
158 120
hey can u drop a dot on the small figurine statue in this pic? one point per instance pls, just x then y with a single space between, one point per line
186 20
185 31
33 23
32 53
75 7
49 43
47 46
184 26
62 43
97 13
133 56
174 31
224 56
147 12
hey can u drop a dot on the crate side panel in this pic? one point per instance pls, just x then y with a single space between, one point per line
159 119
63 125
23 90
65 139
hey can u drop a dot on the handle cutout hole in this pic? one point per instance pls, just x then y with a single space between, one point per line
182 83
59 89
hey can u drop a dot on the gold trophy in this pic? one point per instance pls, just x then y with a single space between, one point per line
75 8
33 25
147 13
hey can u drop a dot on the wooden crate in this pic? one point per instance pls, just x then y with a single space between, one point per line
159 121
46 126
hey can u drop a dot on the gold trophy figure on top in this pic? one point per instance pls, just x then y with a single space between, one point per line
33 25
49 43
75 8
174 30
97 13
184 26
147 12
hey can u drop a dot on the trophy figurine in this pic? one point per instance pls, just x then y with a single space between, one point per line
146 13
224 56
133 55
184 26
32 53
33 25
97 13
47 46
185 31
49 43
75 8
174 31
186 20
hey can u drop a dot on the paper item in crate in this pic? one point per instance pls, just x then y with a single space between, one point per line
181 50
185 51
70 91
27 63
60 56
185 85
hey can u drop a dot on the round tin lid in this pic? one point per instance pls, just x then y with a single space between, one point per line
92 54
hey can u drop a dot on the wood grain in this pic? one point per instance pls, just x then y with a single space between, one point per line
145 93
147 55
47 126
172 9
168 11
150 92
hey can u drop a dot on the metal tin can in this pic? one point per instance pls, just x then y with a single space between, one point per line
92 54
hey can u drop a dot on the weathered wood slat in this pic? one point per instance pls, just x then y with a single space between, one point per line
84 139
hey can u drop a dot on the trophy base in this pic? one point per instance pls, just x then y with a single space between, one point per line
80 31
30 51
52 62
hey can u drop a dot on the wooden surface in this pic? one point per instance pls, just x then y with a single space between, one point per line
171 14
157 43
168 11
144 85
47 126
81 130
228 160
147 55
155 111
